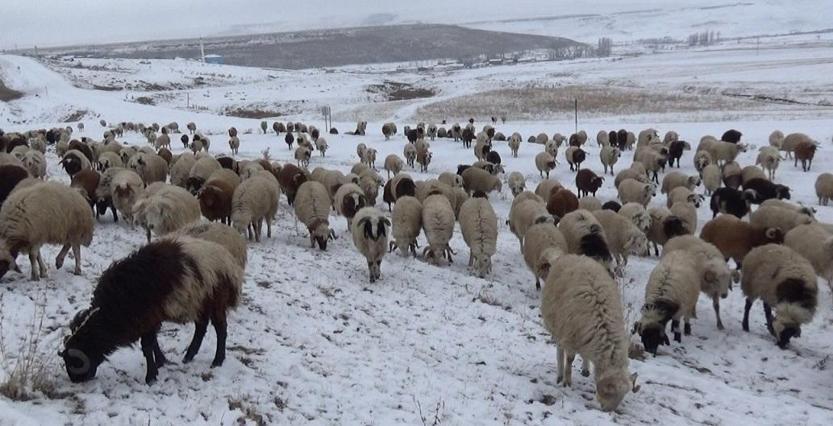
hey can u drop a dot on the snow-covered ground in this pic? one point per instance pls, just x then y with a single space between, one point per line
315 343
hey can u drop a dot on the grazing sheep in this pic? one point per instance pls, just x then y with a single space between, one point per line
670 295
526 213
312 208
631 190
438 224
545 162
200 172
762 189
581 308
86 182
163 209
585 235
516 182
478 223
223 235
348 200
804 152
791 141
191 280
609 156
561 202
588 182
254 201
623 237
735 238
370 236
711 178
407 225
126 186
476 179
730 201
215 197
824 188
676 179
637 214
785 281
777 217
44 213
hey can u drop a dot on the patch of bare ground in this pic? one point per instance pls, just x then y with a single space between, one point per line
7 94
251 113
396 91
536 102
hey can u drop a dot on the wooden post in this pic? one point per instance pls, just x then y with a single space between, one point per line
575 113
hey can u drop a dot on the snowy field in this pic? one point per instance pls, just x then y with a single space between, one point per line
314 343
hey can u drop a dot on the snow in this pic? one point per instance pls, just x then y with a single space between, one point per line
315 343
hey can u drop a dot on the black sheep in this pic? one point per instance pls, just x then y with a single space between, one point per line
730 201
622 138
179 280
675 152
760 190
184 140
493 157
289 139
468 136
612 205
10 176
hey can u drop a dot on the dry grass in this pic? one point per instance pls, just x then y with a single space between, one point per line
537 102
29 370
8 95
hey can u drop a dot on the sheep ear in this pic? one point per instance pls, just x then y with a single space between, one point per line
386 221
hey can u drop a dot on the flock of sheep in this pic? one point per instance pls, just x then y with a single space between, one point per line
571 241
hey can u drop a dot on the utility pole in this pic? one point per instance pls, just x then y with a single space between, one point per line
575 113
202 50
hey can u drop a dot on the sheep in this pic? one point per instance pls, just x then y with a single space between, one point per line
541 138
401 185
321 145
815 243
181 169
516 182
664 226
35 163
86 182
370 236
798 208
151 167
776 217
675 179
545 162
215 197
581 308
191 280
701 160
126 187
769 158
637 214
588 182
407 224
686 211
165 208
423 158
561 202
200 172
192 128
290 178
785 281
623 237
670 295
589 203
109 159
438 224
751 172
631 173
451 179
791 141
575 156
585 235
609 156
388 130
7 159
223 235
631 190
312 207
804 152
653 162
683 194
45 213
544 242
526 195
711 178
349 200
731 201
482 147
546 188
602 138
515 144
762 189
526 213
675 151
234 144
10 176
302 156
393 164
776 138
74 161
824 188
478 224
476 179
735 238
254 201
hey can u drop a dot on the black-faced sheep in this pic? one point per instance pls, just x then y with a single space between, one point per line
730 201
223 235
370 236
190 280
581 308
784 219
574 156
349 200
588 182
45 213
785 281
586 236
545 162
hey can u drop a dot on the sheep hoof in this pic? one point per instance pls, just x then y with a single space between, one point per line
720 326
585 373
217 363
150 379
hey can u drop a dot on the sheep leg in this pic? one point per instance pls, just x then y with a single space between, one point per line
585 367
218 319
746 309
568 372
768 315
158 355
687 327
537 283
560 364
76 252
33 263
59 260
675 328
200 326
147 350
268 227
716 304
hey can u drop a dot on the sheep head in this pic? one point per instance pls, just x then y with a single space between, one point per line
84 350
782 192
612 387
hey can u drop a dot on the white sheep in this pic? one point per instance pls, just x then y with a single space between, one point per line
546 188
526 213
35 163
181 169
824 188
670 295
151 167
165 210
664 225
370 236
585 235
798 208
545 162
200 172
302 156
776 217
712 178
786 282
769 158
609 156
636 172
815 243
45 213
637 214
516 182
370 158
589 203
716 278
451 179
581 308
410 154
776 138
676 179
623 237
631 190
321 145
126 187
478 223
219 233
407 224
515 144
438 224
393 164
255 200
312 208
476 179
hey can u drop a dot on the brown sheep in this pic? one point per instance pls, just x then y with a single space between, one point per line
215 200
588 182
290 178
735 238
561 202
805 151
87 182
